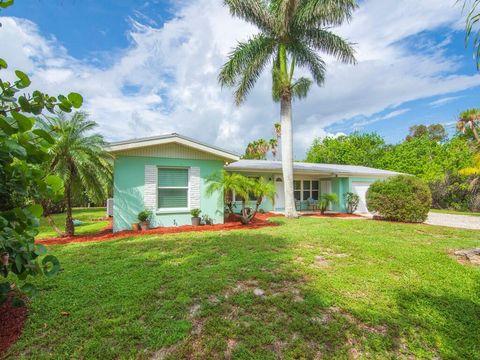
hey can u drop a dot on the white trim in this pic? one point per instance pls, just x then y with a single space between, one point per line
174 138
174 210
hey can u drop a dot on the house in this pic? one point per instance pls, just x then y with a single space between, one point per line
167 174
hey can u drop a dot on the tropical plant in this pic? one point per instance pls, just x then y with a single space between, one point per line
257 150
351 201
195 212
292 32
207 219
78 157
23 151
400 198
228 184
259 189
326 200
470 120
144 215
435 132
471 26
354 149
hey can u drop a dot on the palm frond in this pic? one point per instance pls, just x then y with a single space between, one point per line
307 57
243 56
301 87
331 44
473 19
253 11
324 12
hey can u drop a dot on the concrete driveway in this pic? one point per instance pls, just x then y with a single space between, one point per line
451 220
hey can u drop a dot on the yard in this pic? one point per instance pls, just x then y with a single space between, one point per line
330 288
93 220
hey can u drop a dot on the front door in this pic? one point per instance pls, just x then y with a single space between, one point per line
279 194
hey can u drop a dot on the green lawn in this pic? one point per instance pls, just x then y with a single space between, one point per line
89 217
446 211
333 288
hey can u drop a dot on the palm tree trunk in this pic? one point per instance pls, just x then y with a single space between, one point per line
287 155
69 228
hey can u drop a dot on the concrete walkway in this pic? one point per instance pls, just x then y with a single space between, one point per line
451 220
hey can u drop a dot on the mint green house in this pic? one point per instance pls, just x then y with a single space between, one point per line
167 174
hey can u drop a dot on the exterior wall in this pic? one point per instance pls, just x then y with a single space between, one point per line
129 189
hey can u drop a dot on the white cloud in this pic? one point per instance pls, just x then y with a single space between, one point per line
171 73
443 101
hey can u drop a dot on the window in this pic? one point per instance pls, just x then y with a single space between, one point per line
297 189
305 189
172 188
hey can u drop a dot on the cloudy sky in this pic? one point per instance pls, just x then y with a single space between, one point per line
150 67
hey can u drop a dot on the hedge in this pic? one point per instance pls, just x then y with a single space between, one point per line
400 198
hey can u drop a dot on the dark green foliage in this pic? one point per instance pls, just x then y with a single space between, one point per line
351 202
24 183
400 198
435 132
421 154
355 149
144 215
456 192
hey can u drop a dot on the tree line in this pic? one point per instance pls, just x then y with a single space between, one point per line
448 164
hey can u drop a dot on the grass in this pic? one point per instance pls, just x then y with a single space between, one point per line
89 217
455 212
333 288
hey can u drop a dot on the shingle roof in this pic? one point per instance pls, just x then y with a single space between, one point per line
303 167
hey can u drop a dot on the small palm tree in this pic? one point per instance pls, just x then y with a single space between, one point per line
470 119
79 158
291 33
228 184
259 189
326 200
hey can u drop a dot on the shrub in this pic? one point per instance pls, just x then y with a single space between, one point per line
352 200
326 200
144 215
400 198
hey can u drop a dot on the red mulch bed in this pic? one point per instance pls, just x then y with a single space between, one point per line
231 223
12 322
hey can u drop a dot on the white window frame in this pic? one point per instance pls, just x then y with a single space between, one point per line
170 210
310 190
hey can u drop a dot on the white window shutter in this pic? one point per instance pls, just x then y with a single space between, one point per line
150 187
194 187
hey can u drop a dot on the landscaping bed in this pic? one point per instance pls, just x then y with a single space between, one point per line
231 223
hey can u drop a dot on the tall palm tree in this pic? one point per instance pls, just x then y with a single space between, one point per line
291 33
79 158
470 119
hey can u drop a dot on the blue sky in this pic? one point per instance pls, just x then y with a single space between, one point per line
150 67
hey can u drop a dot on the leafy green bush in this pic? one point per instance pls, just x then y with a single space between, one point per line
195 213
400 198
144 215
24 184
351 201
